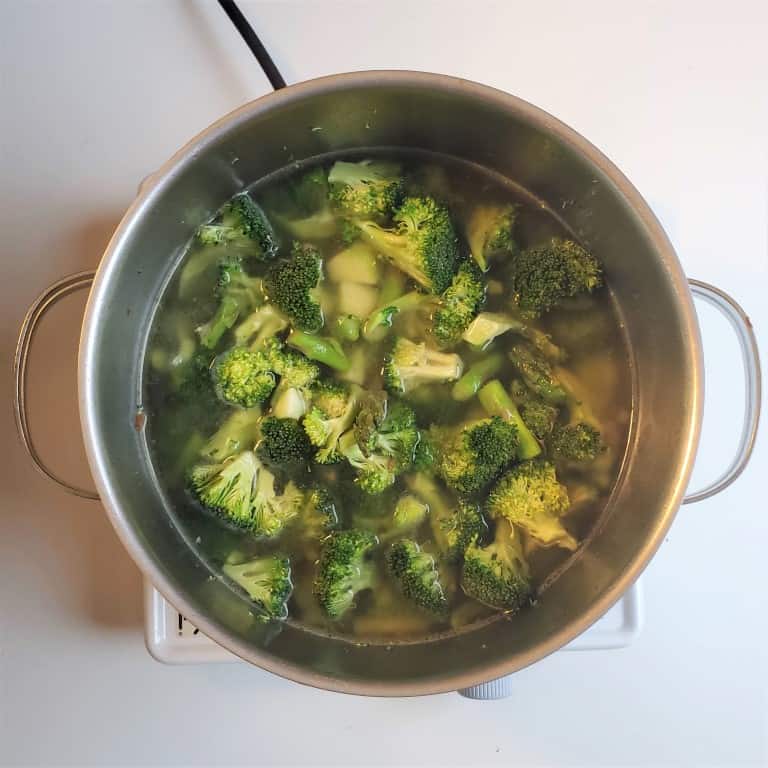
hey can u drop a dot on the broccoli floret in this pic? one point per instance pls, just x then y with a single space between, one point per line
292 285
542 277
375 472
530 496
263 323
537 374
239 432
489 233
242 491
302 206
227 487
267 580
476 375
243 377
422 244
344 570
496 402
271 512
380 320
318 516
367 189
488 325
410 512
538 416
498 575
324 350
455 528
472 456
425 455
411 364
417 576
333 412
459 304
283 441
386 426
241 223
238 293
294 369
579 443
382 443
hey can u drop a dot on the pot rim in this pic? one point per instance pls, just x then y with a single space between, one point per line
87 363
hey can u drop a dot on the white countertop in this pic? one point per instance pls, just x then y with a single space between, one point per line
93 96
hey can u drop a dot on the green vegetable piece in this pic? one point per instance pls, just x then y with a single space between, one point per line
348 328
239 432
382 443
489 233
292 285
476 375
242 224
456 528
267 580
411 364
242 377
283 441
529 496
489 325
498 575
580 443
542 277
238 294
366 189
538 416
262 324
537 374
459 304
422 244
497 402
318 516
380 320
417 576
410 512
333 412
242 491
472 456
324 350
344 570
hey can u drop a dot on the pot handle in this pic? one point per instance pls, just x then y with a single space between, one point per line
745 335
37 309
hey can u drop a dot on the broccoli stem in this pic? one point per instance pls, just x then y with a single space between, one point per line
327 351
469 384
225 317
496 401
380 320
347 328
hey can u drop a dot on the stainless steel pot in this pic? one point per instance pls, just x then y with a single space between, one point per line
478 124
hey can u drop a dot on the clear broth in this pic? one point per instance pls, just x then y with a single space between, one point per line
589 329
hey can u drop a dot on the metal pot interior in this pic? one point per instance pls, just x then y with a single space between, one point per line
475 124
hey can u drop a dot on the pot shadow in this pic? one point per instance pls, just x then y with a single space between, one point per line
64 546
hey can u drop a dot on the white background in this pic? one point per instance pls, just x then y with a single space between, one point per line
94 95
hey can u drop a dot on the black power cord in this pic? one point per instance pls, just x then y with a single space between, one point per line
252 41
